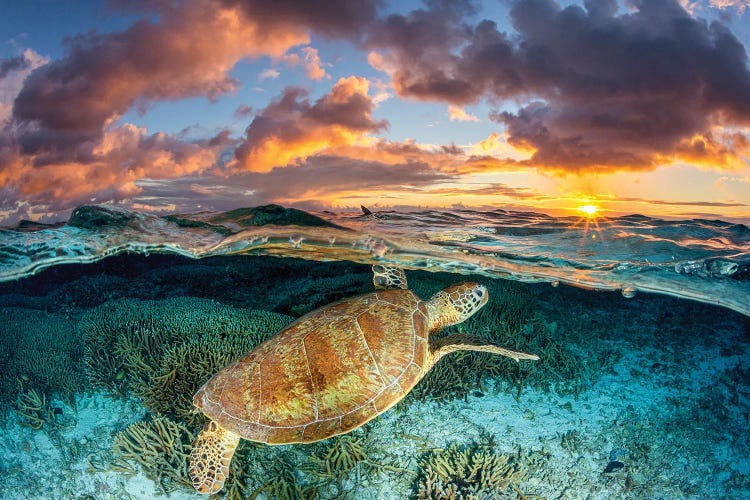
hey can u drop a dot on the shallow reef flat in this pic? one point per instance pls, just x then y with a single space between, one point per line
632 398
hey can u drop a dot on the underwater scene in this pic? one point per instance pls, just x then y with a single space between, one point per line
581 357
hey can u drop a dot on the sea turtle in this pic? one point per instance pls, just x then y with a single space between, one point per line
331 371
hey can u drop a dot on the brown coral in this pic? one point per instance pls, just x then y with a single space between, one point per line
467 473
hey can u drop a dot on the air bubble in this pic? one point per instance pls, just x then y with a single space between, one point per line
555 283
629 292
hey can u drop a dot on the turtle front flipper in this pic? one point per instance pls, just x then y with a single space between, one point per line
461 342
388 278
210 458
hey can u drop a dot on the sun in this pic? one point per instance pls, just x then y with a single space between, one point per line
589 210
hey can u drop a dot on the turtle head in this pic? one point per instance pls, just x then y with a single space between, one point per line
456 304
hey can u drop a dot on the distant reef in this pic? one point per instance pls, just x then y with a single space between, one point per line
98 216
271 214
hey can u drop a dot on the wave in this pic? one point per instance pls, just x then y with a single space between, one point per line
703 260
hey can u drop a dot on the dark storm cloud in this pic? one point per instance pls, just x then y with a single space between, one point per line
613 90
13 64
331 18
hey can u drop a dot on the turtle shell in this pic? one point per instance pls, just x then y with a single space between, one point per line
327 373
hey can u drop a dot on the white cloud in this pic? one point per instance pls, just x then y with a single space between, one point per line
268 74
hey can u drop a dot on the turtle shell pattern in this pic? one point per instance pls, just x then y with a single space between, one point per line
327 373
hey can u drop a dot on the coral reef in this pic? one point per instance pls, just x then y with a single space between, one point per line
270 214
34 410
335 462
171 345
511 319
468 473
39 350
159 447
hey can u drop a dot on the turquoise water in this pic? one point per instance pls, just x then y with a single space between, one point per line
641 326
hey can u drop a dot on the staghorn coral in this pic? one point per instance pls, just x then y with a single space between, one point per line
283 484
159 447
144 333
41 350
511 319
468 473
183 368
33 409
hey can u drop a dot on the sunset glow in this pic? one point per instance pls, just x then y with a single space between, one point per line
219 105
589 210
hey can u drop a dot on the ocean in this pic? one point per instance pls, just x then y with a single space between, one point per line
113 320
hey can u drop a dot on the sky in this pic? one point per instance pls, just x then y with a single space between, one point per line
167 106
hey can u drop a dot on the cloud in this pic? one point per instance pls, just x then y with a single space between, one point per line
598 90
694 5
717 204
492 189
268 74
243 111
458 113
315 182
14 63
123 156
13 72
292 128
187 52
309 59
335 19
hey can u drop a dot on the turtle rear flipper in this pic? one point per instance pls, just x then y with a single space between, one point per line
210 458
388 278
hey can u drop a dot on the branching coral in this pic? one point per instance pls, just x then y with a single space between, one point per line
340 457
33 409
40 349
469 473
512 320
163 350
183 369
160 447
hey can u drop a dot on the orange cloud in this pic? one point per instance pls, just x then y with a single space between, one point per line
188 52
309 59
457 113
124 156
292 129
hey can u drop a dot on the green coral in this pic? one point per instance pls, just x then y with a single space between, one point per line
469 473
159 447
511 319
164 350
41 350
